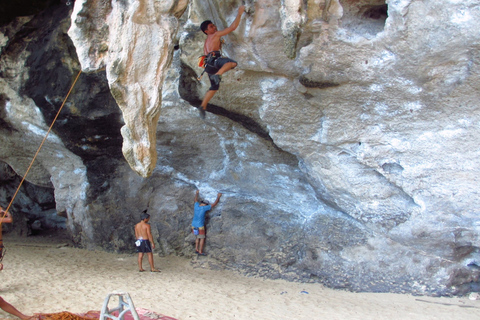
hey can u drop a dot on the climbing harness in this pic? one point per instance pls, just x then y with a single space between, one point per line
201 61
207 62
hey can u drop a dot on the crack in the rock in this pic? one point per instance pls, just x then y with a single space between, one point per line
187 89
247 122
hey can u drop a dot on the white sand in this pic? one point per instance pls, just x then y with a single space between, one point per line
40 277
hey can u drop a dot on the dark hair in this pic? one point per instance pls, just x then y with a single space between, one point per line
144 215
204 25
205 202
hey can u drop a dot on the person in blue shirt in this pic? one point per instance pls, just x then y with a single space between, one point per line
200 208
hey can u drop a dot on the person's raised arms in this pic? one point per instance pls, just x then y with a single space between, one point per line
234 24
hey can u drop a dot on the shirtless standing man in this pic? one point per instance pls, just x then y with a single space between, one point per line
217 65
7 307
144 242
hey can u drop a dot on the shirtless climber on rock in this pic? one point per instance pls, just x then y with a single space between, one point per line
216 65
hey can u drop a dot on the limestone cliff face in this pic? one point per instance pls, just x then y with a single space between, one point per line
344 142
134 41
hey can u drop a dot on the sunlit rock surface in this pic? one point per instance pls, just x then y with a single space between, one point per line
344 142
134 41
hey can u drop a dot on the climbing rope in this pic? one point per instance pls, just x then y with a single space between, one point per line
40 147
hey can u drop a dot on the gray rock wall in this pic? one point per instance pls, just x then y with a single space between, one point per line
344 141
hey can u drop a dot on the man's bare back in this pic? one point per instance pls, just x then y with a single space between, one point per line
144 242
143 231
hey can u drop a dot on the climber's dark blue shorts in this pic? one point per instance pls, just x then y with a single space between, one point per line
219 63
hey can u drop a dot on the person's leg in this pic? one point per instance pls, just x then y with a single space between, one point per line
7 307
215 81
226 67
140 258
208 96
150 261
201 245
197 241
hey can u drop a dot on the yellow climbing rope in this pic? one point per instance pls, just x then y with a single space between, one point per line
39 148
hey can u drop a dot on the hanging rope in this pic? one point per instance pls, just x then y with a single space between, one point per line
40 147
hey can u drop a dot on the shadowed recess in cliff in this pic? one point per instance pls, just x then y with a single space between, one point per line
187 89
308 83
33 208
466 278
4 125
90 123
9 10
364 17
246 122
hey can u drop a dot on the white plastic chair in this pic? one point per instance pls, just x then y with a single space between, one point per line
123 307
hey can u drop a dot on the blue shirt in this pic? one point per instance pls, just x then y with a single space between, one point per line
199 214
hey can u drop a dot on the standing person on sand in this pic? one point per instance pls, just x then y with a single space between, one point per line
7 307
144 242
200 208
216 64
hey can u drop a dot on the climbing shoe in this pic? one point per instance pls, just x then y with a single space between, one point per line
201 113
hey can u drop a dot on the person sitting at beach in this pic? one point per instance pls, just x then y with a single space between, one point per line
144 242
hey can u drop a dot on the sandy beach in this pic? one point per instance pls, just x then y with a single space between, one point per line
43 275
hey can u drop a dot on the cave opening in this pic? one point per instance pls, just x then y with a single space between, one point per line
364 17
33 209
9 10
